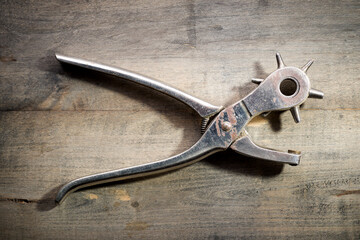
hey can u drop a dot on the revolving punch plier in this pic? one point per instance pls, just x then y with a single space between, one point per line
222 128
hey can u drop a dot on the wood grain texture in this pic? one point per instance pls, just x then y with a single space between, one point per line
58 122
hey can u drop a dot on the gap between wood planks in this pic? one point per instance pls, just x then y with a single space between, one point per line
339 193
144 110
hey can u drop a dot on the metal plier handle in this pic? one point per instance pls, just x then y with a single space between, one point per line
223 128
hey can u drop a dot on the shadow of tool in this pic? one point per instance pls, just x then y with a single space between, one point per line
142 94
240 164
227 160
47 202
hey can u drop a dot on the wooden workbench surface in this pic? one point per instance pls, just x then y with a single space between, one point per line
59 123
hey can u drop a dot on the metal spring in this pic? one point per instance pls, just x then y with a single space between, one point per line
204 123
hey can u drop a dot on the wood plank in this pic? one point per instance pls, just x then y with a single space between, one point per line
226 194
229 44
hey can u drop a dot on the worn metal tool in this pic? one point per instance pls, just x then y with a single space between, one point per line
223 128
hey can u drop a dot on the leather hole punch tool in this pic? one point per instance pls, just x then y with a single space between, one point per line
285 88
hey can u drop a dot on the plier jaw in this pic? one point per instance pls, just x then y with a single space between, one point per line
284 89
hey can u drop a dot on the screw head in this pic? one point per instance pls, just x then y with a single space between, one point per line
226 126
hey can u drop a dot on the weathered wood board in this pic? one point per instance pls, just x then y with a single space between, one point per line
58 123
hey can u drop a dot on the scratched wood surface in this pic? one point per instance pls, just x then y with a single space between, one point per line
58 123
